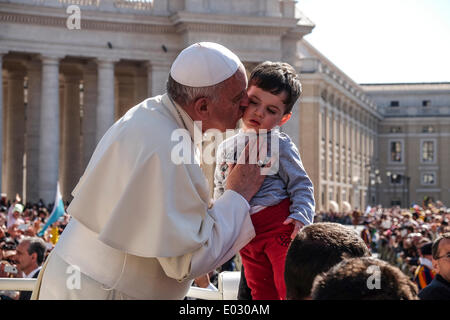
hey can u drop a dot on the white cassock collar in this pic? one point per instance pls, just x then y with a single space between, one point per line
186 122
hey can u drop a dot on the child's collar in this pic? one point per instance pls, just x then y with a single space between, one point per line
252 132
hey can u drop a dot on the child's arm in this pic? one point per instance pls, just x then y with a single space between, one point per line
298 185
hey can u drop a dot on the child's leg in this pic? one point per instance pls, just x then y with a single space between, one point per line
258 272
276 251
258 266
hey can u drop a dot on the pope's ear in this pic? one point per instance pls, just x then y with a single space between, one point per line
201 107
285 118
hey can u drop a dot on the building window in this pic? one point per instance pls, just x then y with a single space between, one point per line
395 103
396 151
428 151
427 129
396 178
426 103
428 178
395 129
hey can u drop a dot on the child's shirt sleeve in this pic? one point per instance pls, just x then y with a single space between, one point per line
298 185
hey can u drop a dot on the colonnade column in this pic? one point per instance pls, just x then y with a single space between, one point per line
158 73
105 102
290 55
15 118
33 131
89 122
70 162
1 115
49 141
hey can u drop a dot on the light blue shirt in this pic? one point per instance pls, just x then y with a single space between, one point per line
290 181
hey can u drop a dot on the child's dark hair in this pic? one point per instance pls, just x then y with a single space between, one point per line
277 77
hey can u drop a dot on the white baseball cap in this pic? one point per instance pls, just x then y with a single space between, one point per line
204 64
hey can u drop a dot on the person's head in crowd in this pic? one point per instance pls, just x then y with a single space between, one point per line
8 256
14 231
425 250
2 233
30 254
364 279
43 214
315 249
212 89
441 255
17 211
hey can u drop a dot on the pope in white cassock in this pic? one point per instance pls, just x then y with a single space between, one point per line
141 225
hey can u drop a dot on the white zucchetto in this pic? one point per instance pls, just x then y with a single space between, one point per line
204 64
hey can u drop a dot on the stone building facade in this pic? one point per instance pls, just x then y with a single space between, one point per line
338 132
413 142
63 85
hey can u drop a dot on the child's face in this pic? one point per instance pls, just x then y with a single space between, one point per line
265 110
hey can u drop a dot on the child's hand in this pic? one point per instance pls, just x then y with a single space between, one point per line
297 226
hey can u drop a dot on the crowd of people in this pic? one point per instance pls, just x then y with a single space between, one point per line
401 237
20 226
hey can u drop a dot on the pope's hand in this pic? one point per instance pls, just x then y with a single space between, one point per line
245 178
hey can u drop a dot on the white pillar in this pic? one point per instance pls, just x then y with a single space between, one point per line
89 122
105 104
158 73
290 55
4 115
15 142
70 136
1 120
49 140
33 131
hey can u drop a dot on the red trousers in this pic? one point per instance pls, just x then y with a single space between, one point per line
263 257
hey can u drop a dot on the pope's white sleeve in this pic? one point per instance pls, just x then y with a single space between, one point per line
232 229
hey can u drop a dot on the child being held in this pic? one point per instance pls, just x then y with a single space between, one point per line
285 201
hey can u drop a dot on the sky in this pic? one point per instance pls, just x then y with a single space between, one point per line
383 41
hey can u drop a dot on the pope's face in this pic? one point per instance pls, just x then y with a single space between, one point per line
231 104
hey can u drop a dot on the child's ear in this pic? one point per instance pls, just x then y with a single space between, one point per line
285 118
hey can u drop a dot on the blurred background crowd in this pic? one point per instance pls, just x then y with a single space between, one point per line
402 237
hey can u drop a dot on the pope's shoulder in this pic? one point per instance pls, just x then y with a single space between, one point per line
149 119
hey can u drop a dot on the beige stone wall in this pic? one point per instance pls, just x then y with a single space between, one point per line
122 55
412 137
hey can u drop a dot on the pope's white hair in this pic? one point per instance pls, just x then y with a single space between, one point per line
185 95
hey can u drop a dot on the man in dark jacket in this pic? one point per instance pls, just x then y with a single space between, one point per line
439 288
29 257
